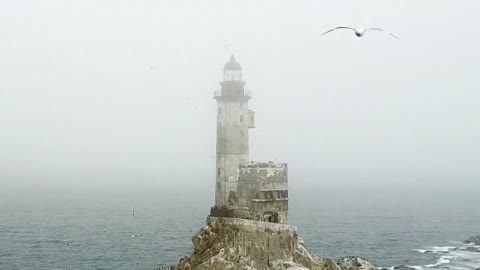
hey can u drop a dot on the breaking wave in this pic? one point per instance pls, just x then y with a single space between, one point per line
461 257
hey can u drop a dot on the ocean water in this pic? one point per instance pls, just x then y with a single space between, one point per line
93 229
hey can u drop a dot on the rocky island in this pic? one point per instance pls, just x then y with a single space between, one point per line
233 243
473 240
248 228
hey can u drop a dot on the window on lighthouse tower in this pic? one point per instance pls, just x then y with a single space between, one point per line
232 71
232 75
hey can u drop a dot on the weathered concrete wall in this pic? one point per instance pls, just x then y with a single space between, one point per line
233 122
263 242
263 188
250 225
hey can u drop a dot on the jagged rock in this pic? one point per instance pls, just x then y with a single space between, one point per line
328 264
473 249
300 241
473 240
304 258
293 266
355 263
164 267
321 264
311 261
227 247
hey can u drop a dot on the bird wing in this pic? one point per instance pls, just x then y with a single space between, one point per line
375 29
340 27
394 36
378 29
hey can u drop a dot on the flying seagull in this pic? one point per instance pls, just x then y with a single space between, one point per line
359 32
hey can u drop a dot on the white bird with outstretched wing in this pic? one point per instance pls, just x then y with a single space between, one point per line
359 32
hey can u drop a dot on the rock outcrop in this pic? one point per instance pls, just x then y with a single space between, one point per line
473 240
355 263
473 249
239 244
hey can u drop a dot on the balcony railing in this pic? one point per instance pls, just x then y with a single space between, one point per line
231 94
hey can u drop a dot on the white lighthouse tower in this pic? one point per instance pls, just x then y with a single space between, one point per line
234 119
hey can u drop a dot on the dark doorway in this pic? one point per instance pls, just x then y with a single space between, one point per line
271 217
275 218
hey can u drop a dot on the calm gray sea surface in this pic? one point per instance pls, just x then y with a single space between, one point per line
91 229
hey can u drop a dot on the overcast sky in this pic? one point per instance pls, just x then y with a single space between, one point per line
114 92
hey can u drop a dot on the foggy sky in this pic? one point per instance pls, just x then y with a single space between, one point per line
108 93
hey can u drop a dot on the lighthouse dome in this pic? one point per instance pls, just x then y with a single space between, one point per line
232 64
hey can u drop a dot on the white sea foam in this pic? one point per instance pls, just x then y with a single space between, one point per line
437 249
456 242
418 267
443 260
443 249
456 257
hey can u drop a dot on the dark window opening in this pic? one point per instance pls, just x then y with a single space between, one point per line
241 118
218 171
275 217
283 194
271 217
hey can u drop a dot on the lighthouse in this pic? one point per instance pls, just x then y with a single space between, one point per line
234 120
244 189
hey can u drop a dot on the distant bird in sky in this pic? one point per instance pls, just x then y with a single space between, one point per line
359 32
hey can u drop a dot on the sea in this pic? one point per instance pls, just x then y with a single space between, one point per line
147 228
